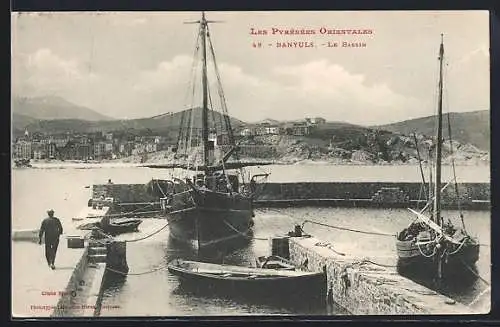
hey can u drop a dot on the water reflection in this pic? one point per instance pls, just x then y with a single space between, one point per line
113 282
236 252
461 284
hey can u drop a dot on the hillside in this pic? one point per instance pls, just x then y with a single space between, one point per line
53 107
19 122
467 127
167 124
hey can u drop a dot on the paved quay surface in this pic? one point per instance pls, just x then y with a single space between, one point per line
35 287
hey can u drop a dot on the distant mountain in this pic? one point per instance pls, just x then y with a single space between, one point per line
166 124
466 127
267 121
19 122
53 107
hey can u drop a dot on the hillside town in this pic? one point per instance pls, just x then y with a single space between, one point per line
287 142
116 145
95 146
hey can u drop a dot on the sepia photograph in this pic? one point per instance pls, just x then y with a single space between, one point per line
250 163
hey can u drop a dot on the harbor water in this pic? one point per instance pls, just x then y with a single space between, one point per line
150 290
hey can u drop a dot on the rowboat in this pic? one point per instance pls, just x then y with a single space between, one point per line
248 281
127 225
274 262
111 227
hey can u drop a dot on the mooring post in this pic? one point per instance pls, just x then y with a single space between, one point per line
117 257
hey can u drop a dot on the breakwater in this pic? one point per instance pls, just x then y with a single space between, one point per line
471 196
370 194
362 287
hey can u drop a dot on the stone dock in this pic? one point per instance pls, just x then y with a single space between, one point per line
472 196
74 288
362 287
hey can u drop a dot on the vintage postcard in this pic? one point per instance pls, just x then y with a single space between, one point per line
250 163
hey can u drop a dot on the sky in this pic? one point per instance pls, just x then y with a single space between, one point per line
138 64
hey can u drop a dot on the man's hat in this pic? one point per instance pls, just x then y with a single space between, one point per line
50 212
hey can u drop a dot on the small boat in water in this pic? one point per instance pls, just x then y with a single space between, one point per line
121 226
111 227
274 262
22 163
248 281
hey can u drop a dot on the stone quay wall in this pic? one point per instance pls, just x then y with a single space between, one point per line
65 301
363 288
377 194
126 193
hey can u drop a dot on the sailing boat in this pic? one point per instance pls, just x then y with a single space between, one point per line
211 205
429 244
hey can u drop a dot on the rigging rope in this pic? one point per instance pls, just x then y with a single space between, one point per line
137 274
378 264
192 88
419 164
425 255
459 247
222 97
434 197
244 234
455 176
222 161
221 91
111 238
347 229
329 246
133 240
124 214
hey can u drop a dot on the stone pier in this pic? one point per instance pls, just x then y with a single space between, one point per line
365 288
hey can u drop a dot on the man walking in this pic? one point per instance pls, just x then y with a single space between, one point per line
52 228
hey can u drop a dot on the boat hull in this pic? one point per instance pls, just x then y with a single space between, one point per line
122 227
412 260
308 285
202 219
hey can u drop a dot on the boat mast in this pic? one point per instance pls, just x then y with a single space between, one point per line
437 186
204 111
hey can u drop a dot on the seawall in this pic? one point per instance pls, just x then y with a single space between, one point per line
355 194
369 194
363 288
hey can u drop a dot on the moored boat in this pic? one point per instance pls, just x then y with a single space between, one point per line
248 281
109 226
121 226
211 201
429 245
274 262
22 163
